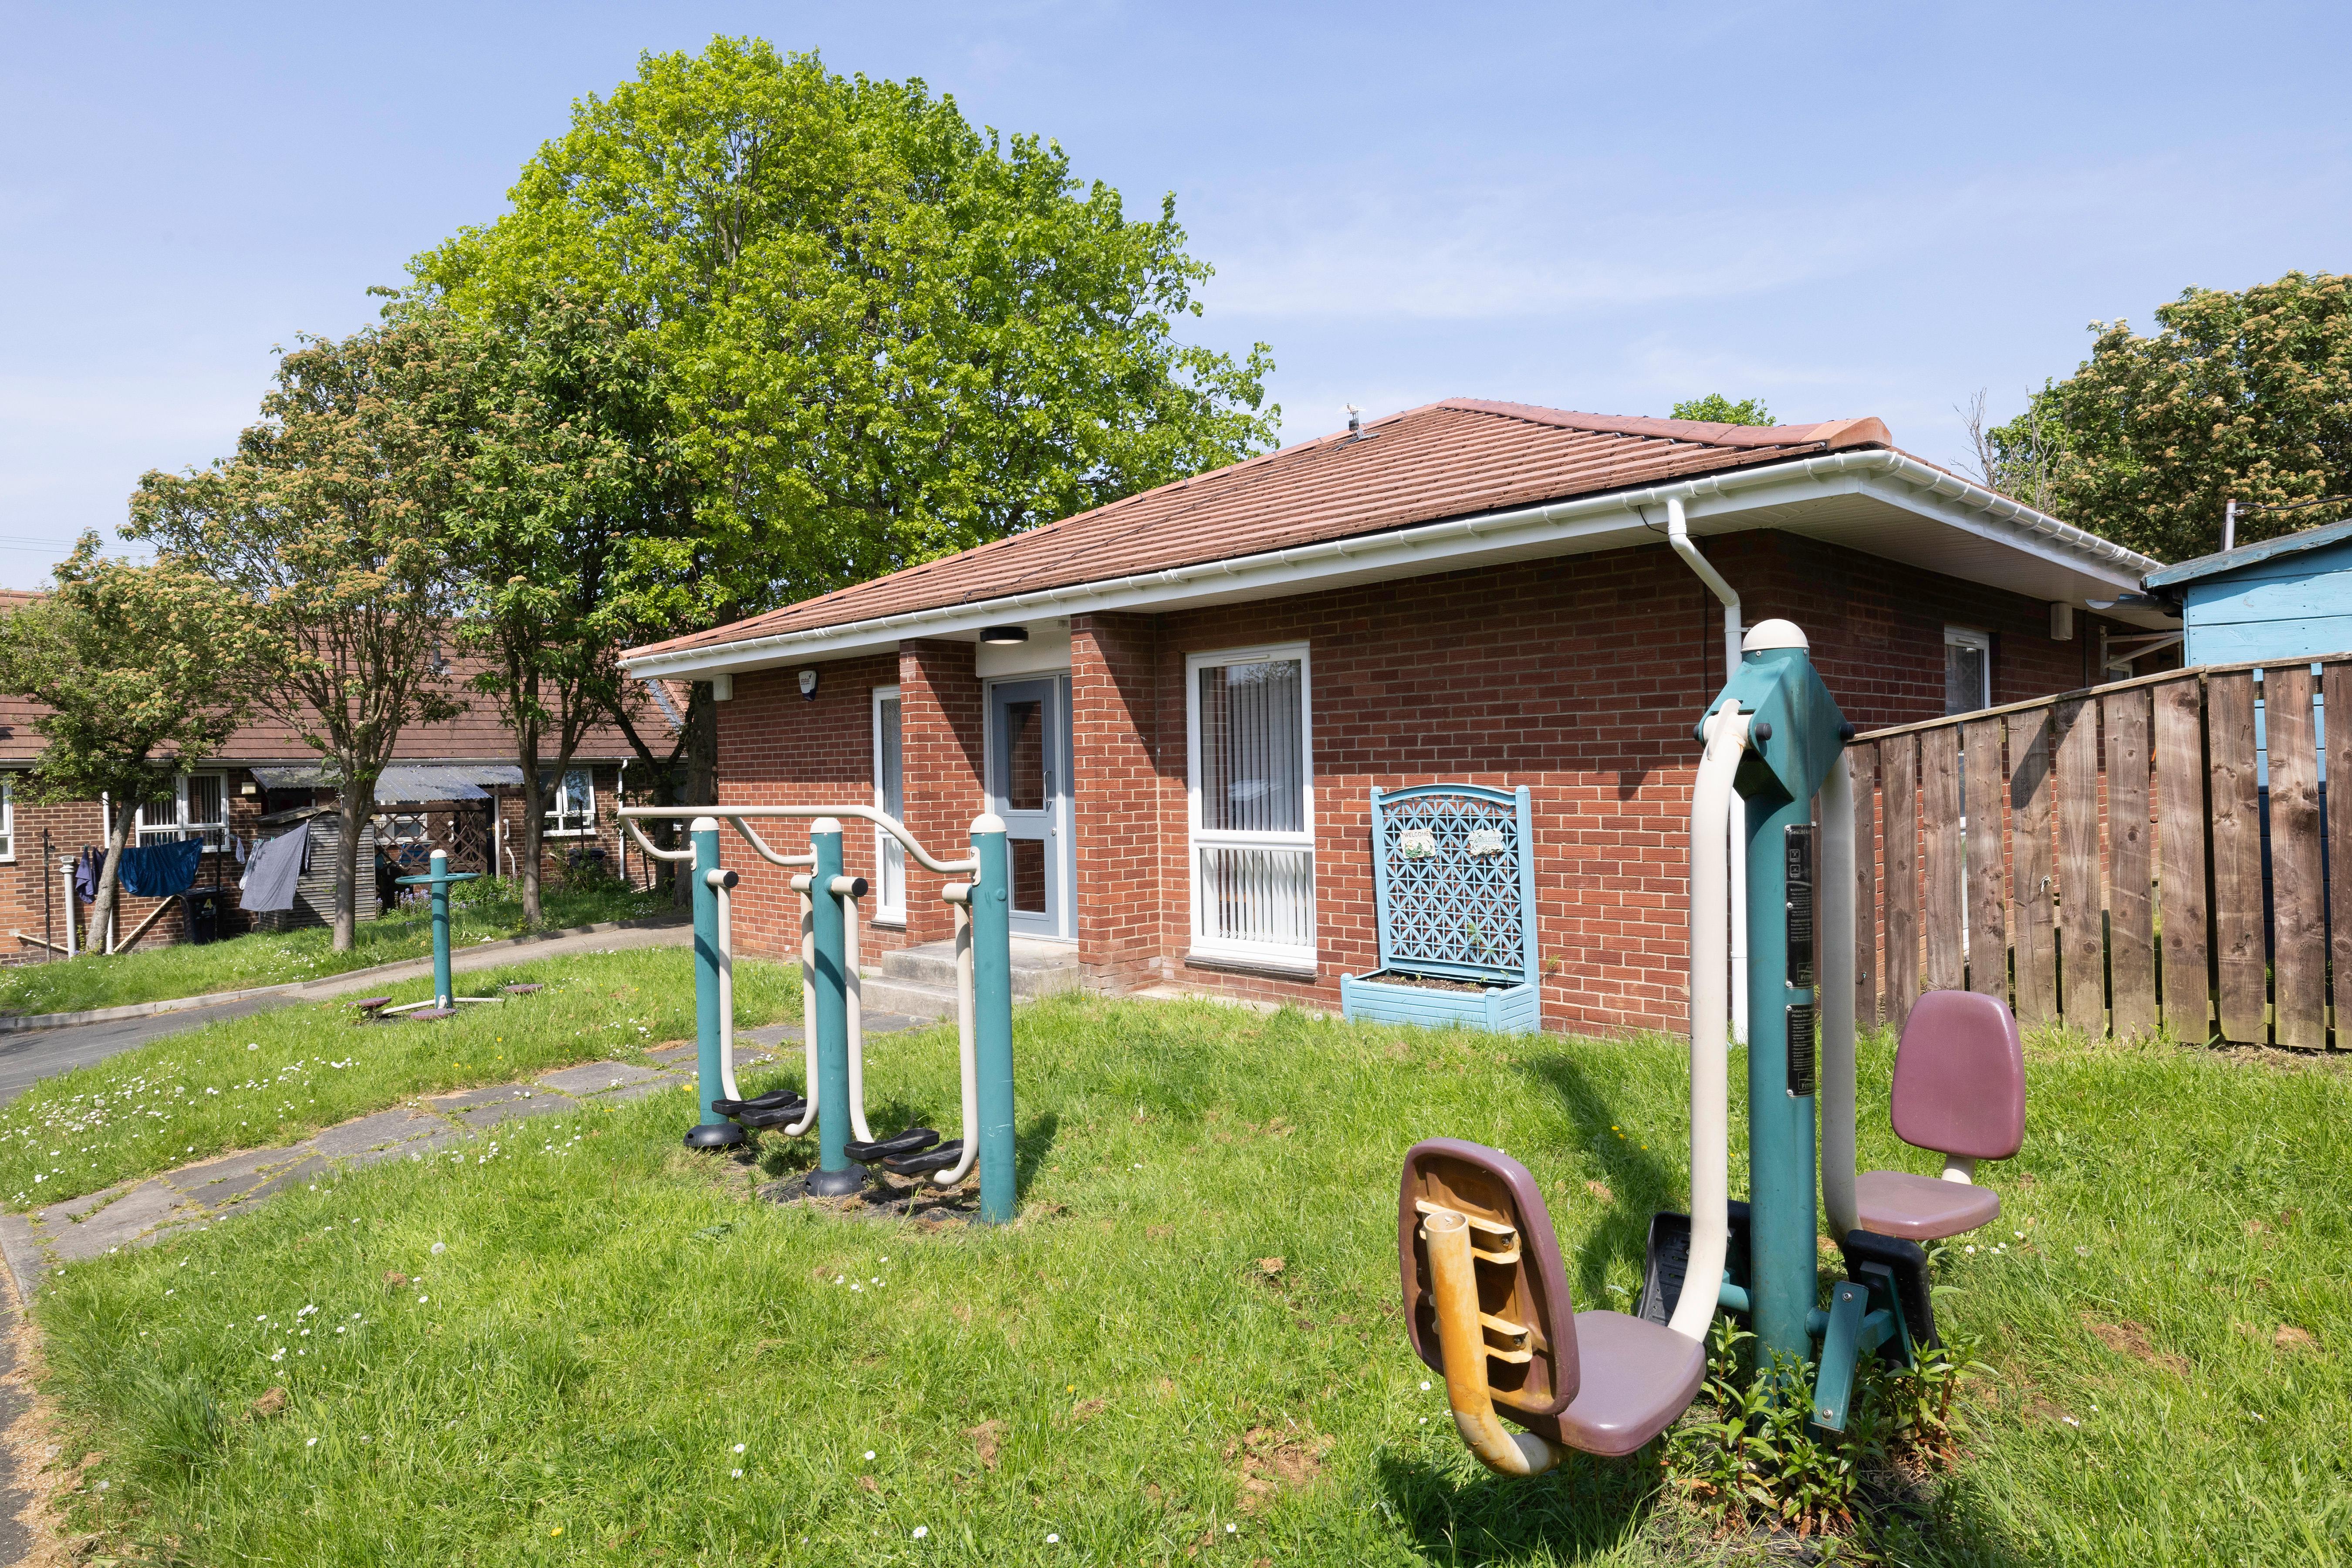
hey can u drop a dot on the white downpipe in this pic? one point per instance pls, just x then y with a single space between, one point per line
845 889
967 1039
1710 1125
808 1007
1835 964
1736 825
721 883
73 911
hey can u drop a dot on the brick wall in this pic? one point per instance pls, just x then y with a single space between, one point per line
1116 807
939 706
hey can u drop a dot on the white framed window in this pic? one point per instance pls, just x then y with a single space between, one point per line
1250 790
573 814
7 819
890 799
1967 670
197 807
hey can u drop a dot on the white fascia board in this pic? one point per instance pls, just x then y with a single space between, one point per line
1554 527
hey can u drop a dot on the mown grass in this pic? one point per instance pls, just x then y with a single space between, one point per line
277 1076
478 910
1125 1376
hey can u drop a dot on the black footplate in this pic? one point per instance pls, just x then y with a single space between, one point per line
1896 1274
913 1141
771 1116
773 1099
1667 1258
924 1163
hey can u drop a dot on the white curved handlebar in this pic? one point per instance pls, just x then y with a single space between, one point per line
882 819
1710 957
769 856
647 845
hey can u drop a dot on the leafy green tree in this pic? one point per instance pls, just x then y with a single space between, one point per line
1717 409
141 671
2244 395
564 462
886 334
332 523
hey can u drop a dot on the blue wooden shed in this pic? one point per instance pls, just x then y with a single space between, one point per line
2286 598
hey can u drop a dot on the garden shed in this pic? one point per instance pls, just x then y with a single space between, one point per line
2284 598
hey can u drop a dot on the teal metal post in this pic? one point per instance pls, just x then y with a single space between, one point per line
1781 1158
444 987
835 1173
714 1131
991 1000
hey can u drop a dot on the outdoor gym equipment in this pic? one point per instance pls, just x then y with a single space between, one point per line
440 880
833 1034
1486 1298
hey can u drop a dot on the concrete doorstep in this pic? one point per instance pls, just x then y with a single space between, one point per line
328 985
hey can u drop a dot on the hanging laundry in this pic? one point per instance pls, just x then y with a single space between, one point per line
161 870
86 876
275 870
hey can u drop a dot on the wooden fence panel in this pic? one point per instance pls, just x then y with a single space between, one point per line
2298 928
1939 820
2234 809
2180 855
2131 933
2032 875
1864 827
2336 691
2082 923
1898 768
1988 905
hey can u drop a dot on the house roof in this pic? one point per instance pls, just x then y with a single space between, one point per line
1460 458
2226 560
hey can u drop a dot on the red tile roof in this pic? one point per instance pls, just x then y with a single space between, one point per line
1449 460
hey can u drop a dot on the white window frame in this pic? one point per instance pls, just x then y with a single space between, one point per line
885 911
7 819
1968 637
180 827
557 817
1207 945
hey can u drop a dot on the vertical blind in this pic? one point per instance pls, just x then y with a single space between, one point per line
1253 889
890 783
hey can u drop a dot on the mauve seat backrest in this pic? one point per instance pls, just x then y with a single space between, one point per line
1959 1077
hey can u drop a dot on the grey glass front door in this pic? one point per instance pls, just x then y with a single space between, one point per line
1028 785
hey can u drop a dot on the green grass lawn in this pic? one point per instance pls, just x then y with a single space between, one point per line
478 910
604 1350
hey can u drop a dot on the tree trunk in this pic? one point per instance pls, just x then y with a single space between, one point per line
355 803
534 825
701 769
110 872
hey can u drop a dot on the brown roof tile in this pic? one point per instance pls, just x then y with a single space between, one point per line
1454 458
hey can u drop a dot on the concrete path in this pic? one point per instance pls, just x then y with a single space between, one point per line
27 1058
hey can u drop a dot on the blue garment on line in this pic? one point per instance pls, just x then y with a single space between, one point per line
161 870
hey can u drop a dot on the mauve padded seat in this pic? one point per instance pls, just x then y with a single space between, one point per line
1921 1208
1637 1377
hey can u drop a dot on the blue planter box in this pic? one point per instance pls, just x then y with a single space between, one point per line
1514 1009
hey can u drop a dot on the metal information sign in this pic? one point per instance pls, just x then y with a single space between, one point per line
1799 849
1800 1049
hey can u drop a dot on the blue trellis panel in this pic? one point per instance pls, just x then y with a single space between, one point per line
1454 890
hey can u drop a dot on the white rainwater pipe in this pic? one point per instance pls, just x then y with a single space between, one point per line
1710 1114
1735 828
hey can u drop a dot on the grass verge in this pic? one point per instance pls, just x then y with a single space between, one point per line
478 910
278 1077
1189 1349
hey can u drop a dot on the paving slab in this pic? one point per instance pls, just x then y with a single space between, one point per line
685 1053
231 1178
310 1169
385 1127
118 1224
516 1109
595 1077
491 1094
637 1091
74 1209
23 1251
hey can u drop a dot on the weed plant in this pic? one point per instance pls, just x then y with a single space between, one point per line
604 1348
479 911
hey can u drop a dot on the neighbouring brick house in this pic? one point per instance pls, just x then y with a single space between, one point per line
1180 702
455 785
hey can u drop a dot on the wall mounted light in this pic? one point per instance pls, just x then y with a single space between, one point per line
1004 636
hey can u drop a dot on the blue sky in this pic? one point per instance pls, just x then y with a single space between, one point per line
1843 209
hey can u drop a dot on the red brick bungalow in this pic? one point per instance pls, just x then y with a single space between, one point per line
1469 591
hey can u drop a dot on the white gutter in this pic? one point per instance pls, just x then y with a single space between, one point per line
1425 546
1678 536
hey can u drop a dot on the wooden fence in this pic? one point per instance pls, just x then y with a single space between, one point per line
2160 849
